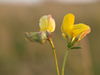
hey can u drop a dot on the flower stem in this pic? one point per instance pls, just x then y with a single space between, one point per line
64 61
55 56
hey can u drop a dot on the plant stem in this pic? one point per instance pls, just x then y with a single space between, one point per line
64 61
55 56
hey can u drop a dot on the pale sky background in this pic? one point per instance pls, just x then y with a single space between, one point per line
38 1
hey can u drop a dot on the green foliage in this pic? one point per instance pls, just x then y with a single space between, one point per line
76 48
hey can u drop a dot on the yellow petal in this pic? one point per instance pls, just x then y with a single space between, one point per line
67 24
43 23
47 23
80 30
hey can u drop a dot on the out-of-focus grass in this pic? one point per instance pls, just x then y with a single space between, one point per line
19 57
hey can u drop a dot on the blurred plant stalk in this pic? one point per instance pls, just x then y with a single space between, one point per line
64 62
55 55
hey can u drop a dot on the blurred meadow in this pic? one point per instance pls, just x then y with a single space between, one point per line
21 57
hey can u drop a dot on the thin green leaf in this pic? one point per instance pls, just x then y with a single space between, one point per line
76 48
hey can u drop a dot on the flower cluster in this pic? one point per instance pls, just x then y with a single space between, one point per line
72 32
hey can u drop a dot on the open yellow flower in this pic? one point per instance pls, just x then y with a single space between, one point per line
47 23
73 31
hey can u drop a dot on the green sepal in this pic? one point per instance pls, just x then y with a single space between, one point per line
69 45
72 43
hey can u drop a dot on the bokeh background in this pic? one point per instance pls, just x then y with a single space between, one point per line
20 57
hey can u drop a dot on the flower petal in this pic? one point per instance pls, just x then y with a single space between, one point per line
47 23
80 31
67 24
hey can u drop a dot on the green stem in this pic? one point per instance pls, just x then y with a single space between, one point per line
64 61
55 56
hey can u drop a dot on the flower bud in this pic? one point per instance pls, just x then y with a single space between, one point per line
40 37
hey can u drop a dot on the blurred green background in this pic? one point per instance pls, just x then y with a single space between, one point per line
20 57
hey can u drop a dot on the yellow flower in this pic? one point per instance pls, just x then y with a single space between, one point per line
73 31
47 23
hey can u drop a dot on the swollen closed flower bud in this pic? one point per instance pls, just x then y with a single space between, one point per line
40 37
